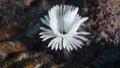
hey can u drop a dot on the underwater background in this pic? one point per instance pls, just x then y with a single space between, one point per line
21 47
